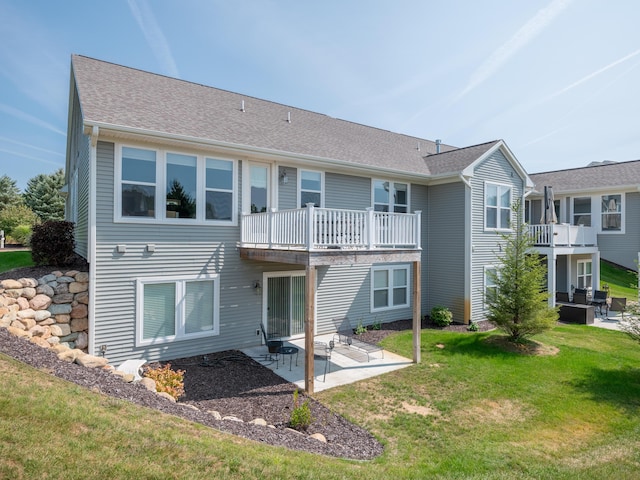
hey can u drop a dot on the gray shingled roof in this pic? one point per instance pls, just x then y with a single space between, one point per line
595 177
126 97
457 160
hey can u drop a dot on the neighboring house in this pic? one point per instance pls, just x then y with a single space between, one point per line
597 217
204 212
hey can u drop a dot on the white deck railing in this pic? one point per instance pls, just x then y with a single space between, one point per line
314 228
562 234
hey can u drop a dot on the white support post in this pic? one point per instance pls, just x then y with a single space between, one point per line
270 227
595 270
418 233
551 278
370 228
311 225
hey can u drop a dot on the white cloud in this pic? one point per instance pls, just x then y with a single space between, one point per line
154 35
522 37
30 157
19 114
593 74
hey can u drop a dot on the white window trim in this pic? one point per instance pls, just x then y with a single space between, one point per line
498 207
390 268
622 215
179 282
390 204
160 185
585 262
300 190
573 213
485 282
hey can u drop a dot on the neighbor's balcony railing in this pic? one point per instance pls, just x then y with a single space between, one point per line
314 228
563 234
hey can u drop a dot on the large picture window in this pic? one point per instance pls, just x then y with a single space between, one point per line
177 309
390 196
497 200
611 207
389 287
172 186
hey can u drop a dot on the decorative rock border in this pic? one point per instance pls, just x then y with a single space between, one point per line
52 312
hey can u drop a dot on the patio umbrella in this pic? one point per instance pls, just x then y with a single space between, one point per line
548 209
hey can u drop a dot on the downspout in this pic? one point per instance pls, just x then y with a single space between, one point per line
93 166
468 248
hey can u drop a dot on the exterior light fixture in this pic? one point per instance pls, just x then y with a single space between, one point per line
284 179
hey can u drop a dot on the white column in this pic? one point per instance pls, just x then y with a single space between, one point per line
595 271
551 278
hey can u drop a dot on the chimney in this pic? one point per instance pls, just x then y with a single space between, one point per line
438 142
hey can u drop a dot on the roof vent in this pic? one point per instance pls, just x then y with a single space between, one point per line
438 142
288 117
242 106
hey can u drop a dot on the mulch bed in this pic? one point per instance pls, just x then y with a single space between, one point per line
230 383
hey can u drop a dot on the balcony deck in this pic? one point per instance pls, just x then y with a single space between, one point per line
563 235
323 236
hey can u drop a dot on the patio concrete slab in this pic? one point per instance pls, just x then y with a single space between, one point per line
347 364
610 321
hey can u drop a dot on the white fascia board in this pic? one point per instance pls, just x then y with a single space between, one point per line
468 172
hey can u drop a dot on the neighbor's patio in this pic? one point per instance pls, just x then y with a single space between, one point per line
348 364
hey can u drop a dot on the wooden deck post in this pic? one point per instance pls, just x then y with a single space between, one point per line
417 300
309 327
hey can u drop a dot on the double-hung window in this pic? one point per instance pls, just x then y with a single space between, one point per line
311 183
174 187
582 211
219 189
390 287
611 213
390 196
490 284
497 201
584 274
138 182
171 309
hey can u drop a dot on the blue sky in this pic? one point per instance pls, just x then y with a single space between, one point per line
558 80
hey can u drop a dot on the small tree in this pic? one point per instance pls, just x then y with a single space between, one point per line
519 304
631 323
52 243
14 216
9 192
43 195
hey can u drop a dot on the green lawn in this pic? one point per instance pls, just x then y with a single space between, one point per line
469 410
14 259
622 282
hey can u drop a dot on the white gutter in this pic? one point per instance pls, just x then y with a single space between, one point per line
277 155
93 166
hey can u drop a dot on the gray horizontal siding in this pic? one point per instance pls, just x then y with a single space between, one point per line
445 248
486 245
623 248
347 191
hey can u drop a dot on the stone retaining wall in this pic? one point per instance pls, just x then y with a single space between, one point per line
51 310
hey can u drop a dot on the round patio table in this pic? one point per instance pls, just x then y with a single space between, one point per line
288 351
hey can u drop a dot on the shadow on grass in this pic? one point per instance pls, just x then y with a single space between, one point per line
471 345
618 387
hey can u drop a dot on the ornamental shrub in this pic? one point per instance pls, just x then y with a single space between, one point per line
301 414
441 316
167 380
52 243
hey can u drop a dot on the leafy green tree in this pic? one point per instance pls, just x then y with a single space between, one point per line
519 304
43 195
9 192
15 216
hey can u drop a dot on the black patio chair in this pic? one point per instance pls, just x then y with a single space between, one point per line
580 298
599 300
618 304
272 345
562 297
